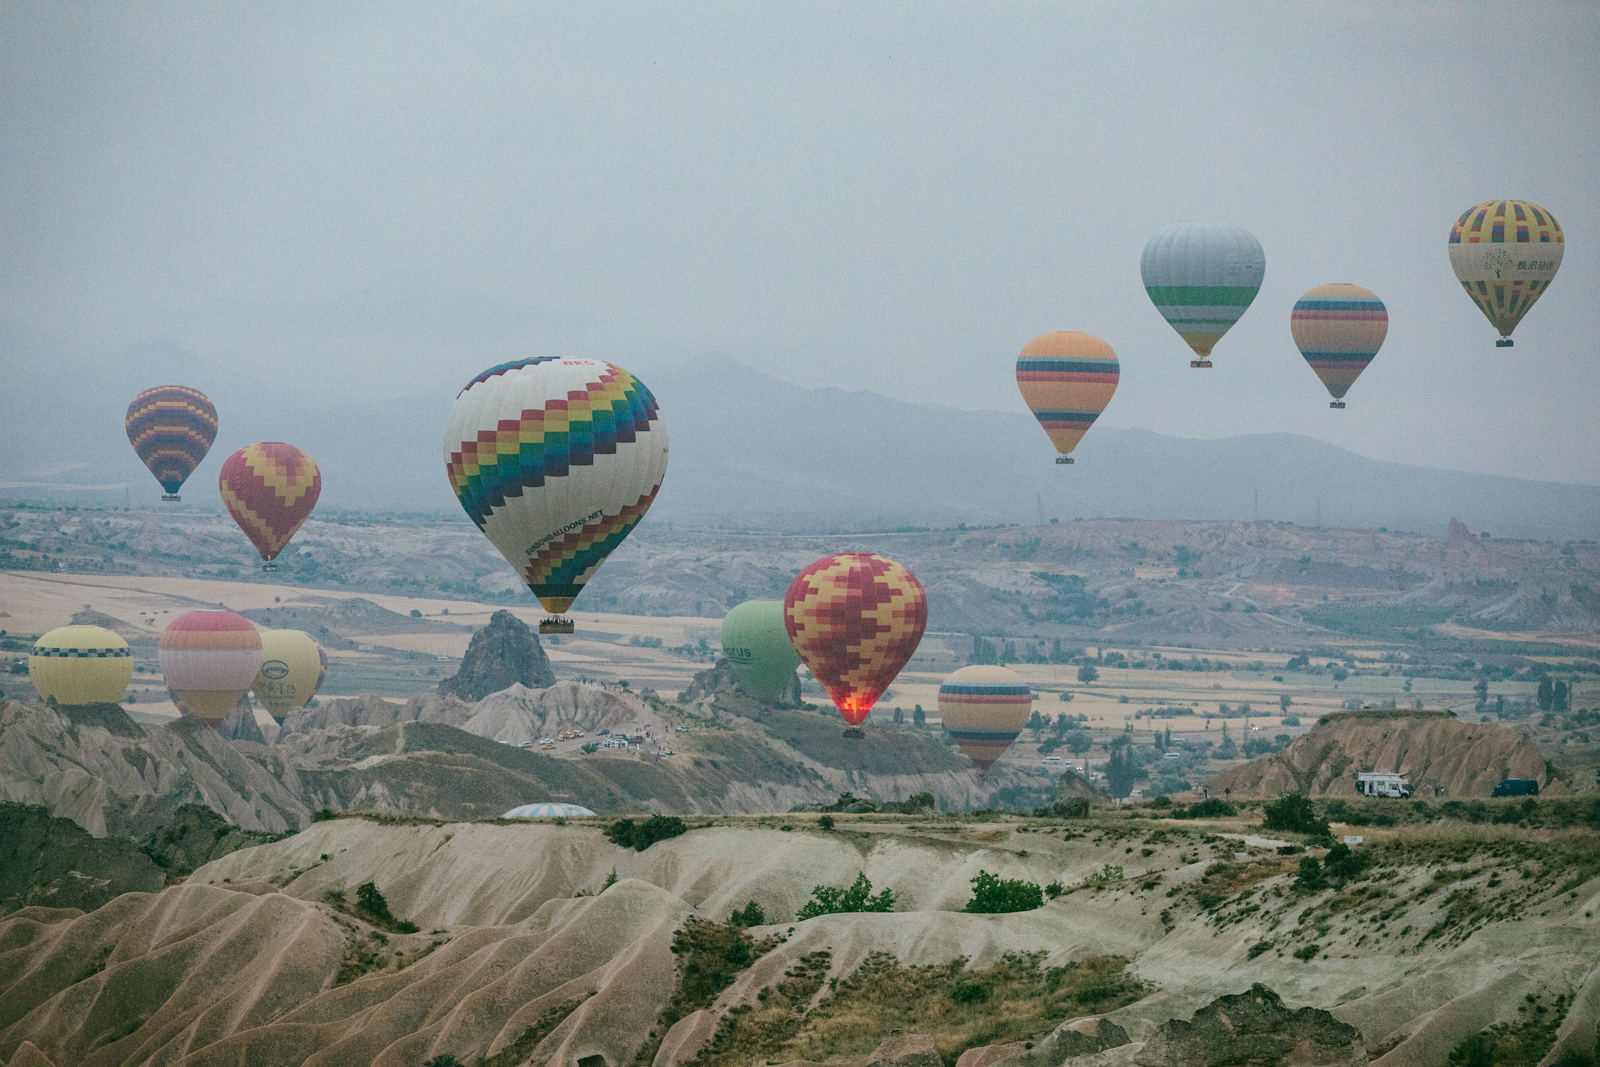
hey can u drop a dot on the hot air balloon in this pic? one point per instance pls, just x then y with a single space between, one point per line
293 665
556 460
81 665
1339 328
1505 253
1202 276
984 708
270 489
1066 380
209 658
855 619
756 644
171 428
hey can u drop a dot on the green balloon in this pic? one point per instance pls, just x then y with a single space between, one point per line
756 645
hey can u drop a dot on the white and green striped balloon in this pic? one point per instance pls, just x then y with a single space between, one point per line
1202 277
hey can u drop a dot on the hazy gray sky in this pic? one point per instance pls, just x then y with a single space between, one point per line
876 196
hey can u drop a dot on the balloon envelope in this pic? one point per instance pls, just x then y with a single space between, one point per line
556 460
293 665
209 658
171 428
1202 277
757 646
1067 379
81 665
984 708
1505 253
270 488
1338 329
855 619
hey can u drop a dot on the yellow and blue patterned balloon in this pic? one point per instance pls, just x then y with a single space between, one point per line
1202 278
556 460
1505 254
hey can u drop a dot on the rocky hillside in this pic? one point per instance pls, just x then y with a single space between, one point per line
504 653
1432 748
538 943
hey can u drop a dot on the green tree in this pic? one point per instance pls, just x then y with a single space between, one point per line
625 833
1087 673
993 895
1284 701
1343 863
1293 812
918 716
1121 770
826 900
1310 878
750 915
1560 698
1546 694
1078 742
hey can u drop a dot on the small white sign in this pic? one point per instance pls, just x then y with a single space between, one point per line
1355 840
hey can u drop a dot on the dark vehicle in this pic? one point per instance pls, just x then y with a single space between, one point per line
1516 787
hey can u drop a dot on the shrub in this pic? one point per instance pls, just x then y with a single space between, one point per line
1215 808
826 900
1293 812
1307 953
1344 863
1291 720
826 822
750 915
1054 889
625 833
324 815
969 993
1310 878
993 895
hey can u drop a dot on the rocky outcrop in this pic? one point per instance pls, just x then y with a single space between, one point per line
1431 747
519 714
196 836
720 680
502 654
1254 1028
240 725
1073 786
54 863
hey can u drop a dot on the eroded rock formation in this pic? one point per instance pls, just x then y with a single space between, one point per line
502 654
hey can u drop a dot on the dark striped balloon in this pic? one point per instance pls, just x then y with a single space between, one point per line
1338 329
171 427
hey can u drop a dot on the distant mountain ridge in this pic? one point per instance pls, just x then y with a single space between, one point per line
752 452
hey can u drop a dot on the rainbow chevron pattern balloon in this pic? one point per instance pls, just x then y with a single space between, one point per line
1338 329
984 708
171 428
556 460
1067 379
270 488
855 619
1202 278
1505 254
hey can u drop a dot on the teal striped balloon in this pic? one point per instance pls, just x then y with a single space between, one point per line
1202 276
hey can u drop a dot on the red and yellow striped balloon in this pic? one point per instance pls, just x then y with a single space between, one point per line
984 708
1067 379
855 619
208 659
1338 329
269 489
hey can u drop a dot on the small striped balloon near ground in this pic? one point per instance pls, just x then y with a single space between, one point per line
984 708
208 659
1338 329
1067 379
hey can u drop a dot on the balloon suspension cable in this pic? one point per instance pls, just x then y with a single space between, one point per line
1065 459
555 624
269 565
1504 342
170 496
1337 404
1199 363
854 732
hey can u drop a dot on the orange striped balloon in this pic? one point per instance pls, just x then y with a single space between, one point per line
984 708
1067 379
855 619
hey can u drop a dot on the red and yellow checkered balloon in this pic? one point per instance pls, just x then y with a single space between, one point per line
270 489
855 619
